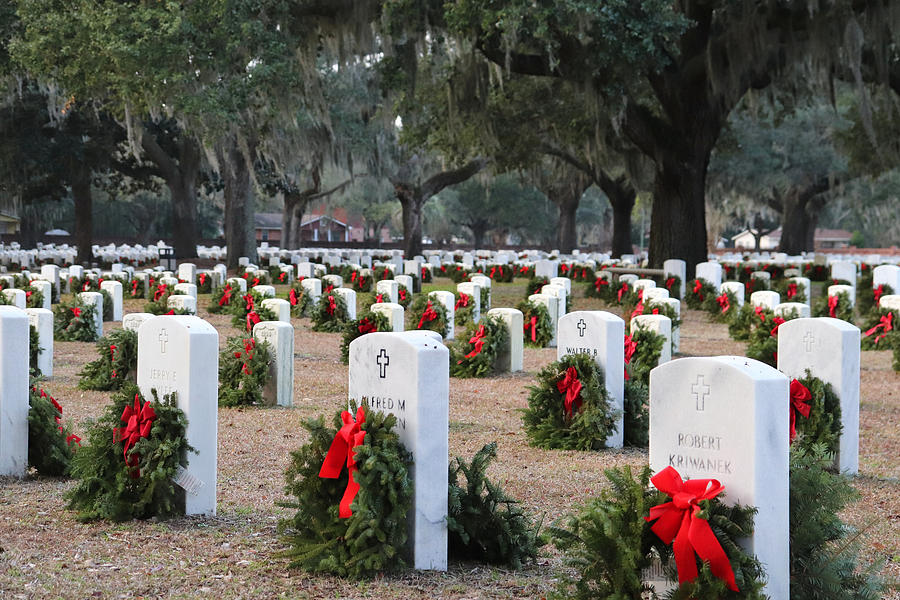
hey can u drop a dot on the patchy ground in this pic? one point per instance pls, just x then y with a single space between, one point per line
46 553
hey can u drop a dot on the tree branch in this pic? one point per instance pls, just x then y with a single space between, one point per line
447 178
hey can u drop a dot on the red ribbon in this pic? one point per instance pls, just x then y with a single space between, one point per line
478 341
600 282
571 387
778 323
281 277
134 286
76 311
86 286
639 309
402 294
292 297
353 276
564 268
877 292
886 324
347 438
252 319
428 316
112 358
248 302
622 290
249 345
366 326
493 270
669 283
202 278
160 290
463 301
532 325
832 306
759 313
800 396
226 296
332 305
697 287
677 522
379 298
723 302
630 349
139 421
791 290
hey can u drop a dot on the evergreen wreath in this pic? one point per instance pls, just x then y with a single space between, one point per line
247 310
373 538
107 305
404 296
34 298
368 322
243 371
427 313
483 523
673 284
382 272
744 320
538 330
764 337
135 289
700 295
624 294
602 288
837 306
116 364
222 298
646 347
815 272
75 284
463 310
256 278
609 543
425 275
867 298
361 283
119 484
330 314
457 273
301 302
474 353
204 283
74 322
878 327
582 273
658 308
726 306
636 418
89 284
755 284
484 296
34 350
4 300
821 426
791 291
51 444
501 273
159 303
562 416
534 286
824 550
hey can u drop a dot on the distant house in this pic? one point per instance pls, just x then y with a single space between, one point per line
824 238
268 227
314 228
9 215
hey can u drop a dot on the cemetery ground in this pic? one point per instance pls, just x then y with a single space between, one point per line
46 553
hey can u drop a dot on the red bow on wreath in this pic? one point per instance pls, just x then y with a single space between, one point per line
248 302
886 324
134 286
600 282
366 326
160 290
86 286
347 438
493 271
697 287
571 387
292 297
832 306
759 313
630 349
428 316
778 323
791 290
463 301
76 311
139 422
202 278
622 291
112 358
678 523
332 306
249 345
402 293
877 292
255 282
532 325
800 396
723 302
379 298
669 283
252 319
478 341
226 296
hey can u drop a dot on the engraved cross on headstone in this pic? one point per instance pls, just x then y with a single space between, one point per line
383 361
163 338
581 327
809 340
700 391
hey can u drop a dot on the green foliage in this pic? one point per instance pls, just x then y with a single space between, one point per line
134 289
222 298
843 310
159 303
204 283
699 297
361 283
328 317
601 288
538 334
483 522
34 298
743 321
456 273
763 344
116 364
637 414
464 310
784 289
49 441
545 420
673 284
353 329
404 296
74 322
865 296
824 550
107 305
301 302
242 306
726 313
466 360
243 371
648 348
373 539
106 488
823 427
415 319
34 350
534 286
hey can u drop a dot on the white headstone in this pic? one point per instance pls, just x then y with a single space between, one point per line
510 357
279 306
238 283
793 310
42 320
726 418
187 272
834 290
15 297
94 300
678 268
736 288
829 348
279 389
306 270
114 288
766 299
133 321
181 354
602 335
558 292
188 304
349 298
333 280
803 285
486 284
448 300
313 287
711 272
46 290
551 303
14 405
51 274
406 281
845 270
890 301
644 284
473 291
407 375
657 293
393 312
187 289
389 288
887 275
545 268
266 291
659 324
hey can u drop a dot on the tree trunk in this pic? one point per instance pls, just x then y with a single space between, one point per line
567 231
411 201
621 196
239 210
478 232
183 190
84 218
287 214
800 210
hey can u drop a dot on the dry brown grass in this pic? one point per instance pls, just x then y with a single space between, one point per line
46 553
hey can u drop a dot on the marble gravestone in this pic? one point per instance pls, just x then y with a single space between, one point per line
186 304
558 292
803 285
843 270
726 418
829 348
180 353
407 374
114 288
313 287
601 335
473 291
94 301
16 297
46 290
394 313
736 288
279 389
448 301
14 401
279 306
887 275
711 272
551 303
486 283
42 320
659 324
510 357
389 289
349 298
678 268
765 299
834 290
133 321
